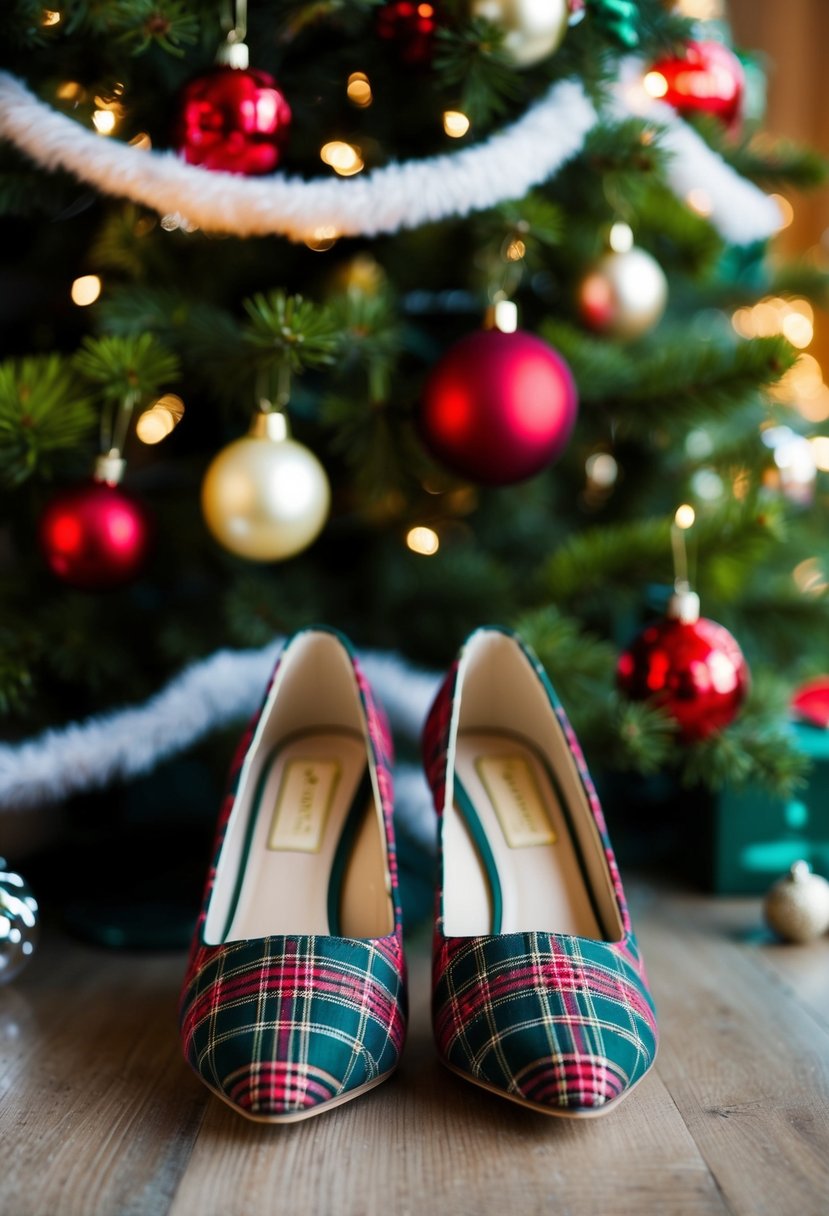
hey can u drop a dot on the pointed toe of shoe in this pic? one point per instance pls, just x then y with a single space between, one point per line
562 1025
282 1029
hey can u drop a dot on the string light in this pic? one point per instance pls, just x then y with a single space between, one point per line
774 315
820 451
162 417
699 201
455 124
602 469
809 577
358 90
620 237
50 16
785 208
345 159
85 290
685 516
655 84
322 239
423 540
515 250
69 90
104 121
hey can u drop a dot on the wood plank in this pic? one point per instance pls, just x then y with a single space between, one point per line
94 1119
746 1063
426 1142
803 970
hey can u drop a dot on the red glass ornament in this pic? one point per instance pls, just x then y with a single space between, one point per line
233 119
95 536
695 670
411 26
498 407
708 79
810 702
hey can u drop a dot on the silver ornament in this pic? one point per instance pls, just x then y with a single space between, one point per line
18 923
624 294
797 905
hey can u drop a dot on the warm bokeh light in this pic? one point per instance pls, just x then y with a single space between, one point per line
602 469
685 516
141 141
655 84
423 540
699 201
86 290
785 208
358 90
345 159
104 121
455 123
322 238
162 417
515 251
820 451
774 315
701 10
809 577
50 16
620 237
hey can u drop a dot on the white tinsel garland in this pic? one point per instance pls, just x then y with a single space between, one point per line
505 166
215 692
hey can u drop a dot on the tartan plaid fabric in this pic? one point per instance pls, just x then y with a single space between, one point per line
555 1020
282 1024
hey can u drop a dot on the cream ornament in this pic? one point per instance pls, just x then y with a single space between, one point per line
533 29
265 496
797 906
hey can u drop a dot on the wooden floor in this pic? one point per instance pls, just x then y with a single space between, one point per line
100 1117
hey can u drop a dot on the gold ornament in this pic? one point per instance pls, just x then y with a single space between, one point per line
265 496
624 294
533 28
797 906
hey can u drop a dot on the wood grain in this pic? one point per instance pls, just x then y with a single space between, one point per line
100 1117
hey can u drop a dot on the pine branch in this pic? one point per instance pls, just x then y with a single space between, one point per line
137 25
470 59
43 414
17 687
670 382
578 663
627 736
289 332
626 555
775 163
127 367
749 751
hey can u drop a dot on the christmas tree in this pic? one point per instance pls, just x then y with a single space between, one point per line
406 317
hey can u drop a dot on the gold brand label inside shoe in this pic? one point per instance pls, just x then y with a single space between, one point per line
302 805
516 798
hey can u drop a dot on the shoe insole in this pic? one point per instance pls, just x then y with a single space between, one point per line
511 864
315 859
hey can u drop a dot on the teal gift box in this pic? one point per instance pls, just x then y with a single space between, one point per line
753 838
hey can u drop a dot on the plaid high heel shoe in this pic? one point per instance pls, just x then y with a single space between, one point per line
539 991
294 998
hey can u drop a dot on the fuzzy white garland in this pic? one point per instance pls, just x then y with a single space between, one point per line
505 166
217 691
739 211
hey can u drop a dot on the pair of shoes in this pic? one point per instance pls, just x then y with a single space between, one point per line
295 999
